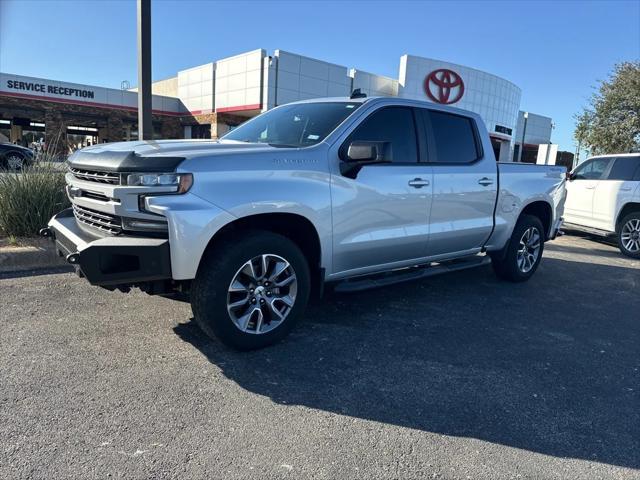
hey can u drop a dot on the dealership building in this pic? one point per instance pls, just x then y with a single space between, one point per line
208 100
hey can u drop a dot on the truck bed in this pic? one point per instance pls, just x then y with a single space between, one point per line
518 181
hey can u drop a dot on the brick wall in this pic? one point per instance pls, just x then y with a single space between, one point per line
219 122
111 122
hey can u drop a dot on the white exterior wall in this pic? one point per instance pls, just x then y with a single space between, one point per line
495 99
547 154
269 69
374 85
238 83
538 129
167 87
195 88
301 78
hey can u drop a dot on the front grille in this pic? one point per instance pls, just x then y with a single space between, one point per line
94 196
111 224
100 177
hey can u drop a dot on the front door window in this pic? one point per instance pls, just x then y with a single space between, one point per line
592 170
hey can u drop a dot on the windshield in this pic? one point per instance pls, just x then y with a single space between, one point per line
296 125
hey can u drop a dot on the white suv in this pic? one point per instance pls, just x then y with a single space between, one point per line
603 197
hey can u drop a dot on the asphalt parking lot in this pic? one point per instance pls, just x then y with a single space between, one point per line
458 376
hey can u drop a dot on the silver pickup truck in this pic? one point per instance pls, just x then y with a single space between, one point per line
357 192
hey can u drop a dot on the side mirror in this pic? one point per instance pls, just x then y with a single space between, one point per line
363 152
358 154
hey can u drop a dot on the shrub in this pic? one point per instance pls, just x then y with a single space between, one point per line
30 198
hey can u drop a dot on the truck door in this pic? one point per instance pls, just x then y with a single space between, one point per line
381 210
581 187
465 181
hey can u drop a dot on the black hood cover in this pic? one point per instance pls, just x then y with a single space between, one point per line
119 161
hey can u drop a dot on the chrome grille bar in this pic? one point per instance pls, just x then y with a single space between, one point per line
111 224
100 177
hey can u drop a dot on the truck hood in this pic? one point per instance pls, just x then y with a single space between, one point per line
155 155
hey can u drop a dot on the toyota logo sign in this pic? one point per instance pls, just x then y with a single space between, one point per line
444 86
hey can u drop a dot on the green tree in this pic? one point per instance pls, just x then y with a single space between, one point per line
611 123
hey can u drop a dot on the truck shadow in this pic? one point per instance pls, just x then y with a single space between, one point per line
551 366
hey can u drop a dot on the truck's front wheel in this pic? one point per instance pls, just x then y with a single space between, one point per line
250 292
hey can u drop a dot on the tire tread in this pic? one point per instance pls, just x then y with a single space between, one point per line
505 263
219 264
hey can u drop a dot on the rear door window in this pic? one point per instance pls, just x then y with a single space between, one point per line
624 168
453 138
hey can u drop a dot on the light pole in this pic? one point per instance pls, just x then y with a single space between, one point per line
145 127
524 131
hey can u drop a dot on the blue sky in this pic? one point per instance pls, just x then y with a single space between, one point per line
554 50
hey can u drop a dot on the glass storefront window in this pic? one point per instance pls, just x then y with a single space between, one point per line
5 130
133 132
80 137
33 135
5 134
201 131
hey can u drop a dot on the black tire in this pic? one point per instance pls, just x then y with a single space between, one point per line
219 267
505 262
633 216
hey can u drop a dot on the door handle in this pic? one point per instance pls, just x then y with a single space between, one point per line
625 189
589 187
418 183
485 181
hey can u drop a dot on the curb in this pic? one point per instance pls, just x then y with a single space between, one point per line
37 254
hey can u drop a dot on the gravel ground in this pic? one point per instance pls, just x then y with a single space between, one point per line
458 376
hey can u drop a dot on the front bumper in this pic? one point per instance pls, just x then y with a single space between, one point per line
109 261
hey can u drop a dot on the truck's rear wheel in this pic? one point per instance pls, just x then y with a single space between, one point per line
629 235
249 293
522 255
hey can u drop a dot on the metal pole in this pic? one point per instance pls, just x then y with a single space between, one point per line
145 127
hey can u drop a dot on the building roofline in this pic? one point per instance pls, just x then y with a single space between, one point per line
465 66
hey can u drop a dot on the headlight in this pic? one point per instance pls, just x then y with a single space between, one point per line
182 181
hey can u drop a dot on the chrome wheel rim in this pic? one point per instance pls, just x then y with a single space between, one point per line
630 235
14 162
529 249
262 294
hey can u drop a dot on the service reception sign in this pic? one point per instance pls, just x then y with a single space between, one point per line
37 87
74 93
43 89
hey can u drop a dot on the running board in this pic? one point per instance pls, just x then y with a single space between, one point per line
589 230
412 273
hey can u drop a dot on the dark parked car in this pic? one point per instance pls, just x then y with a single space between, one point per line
14 157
